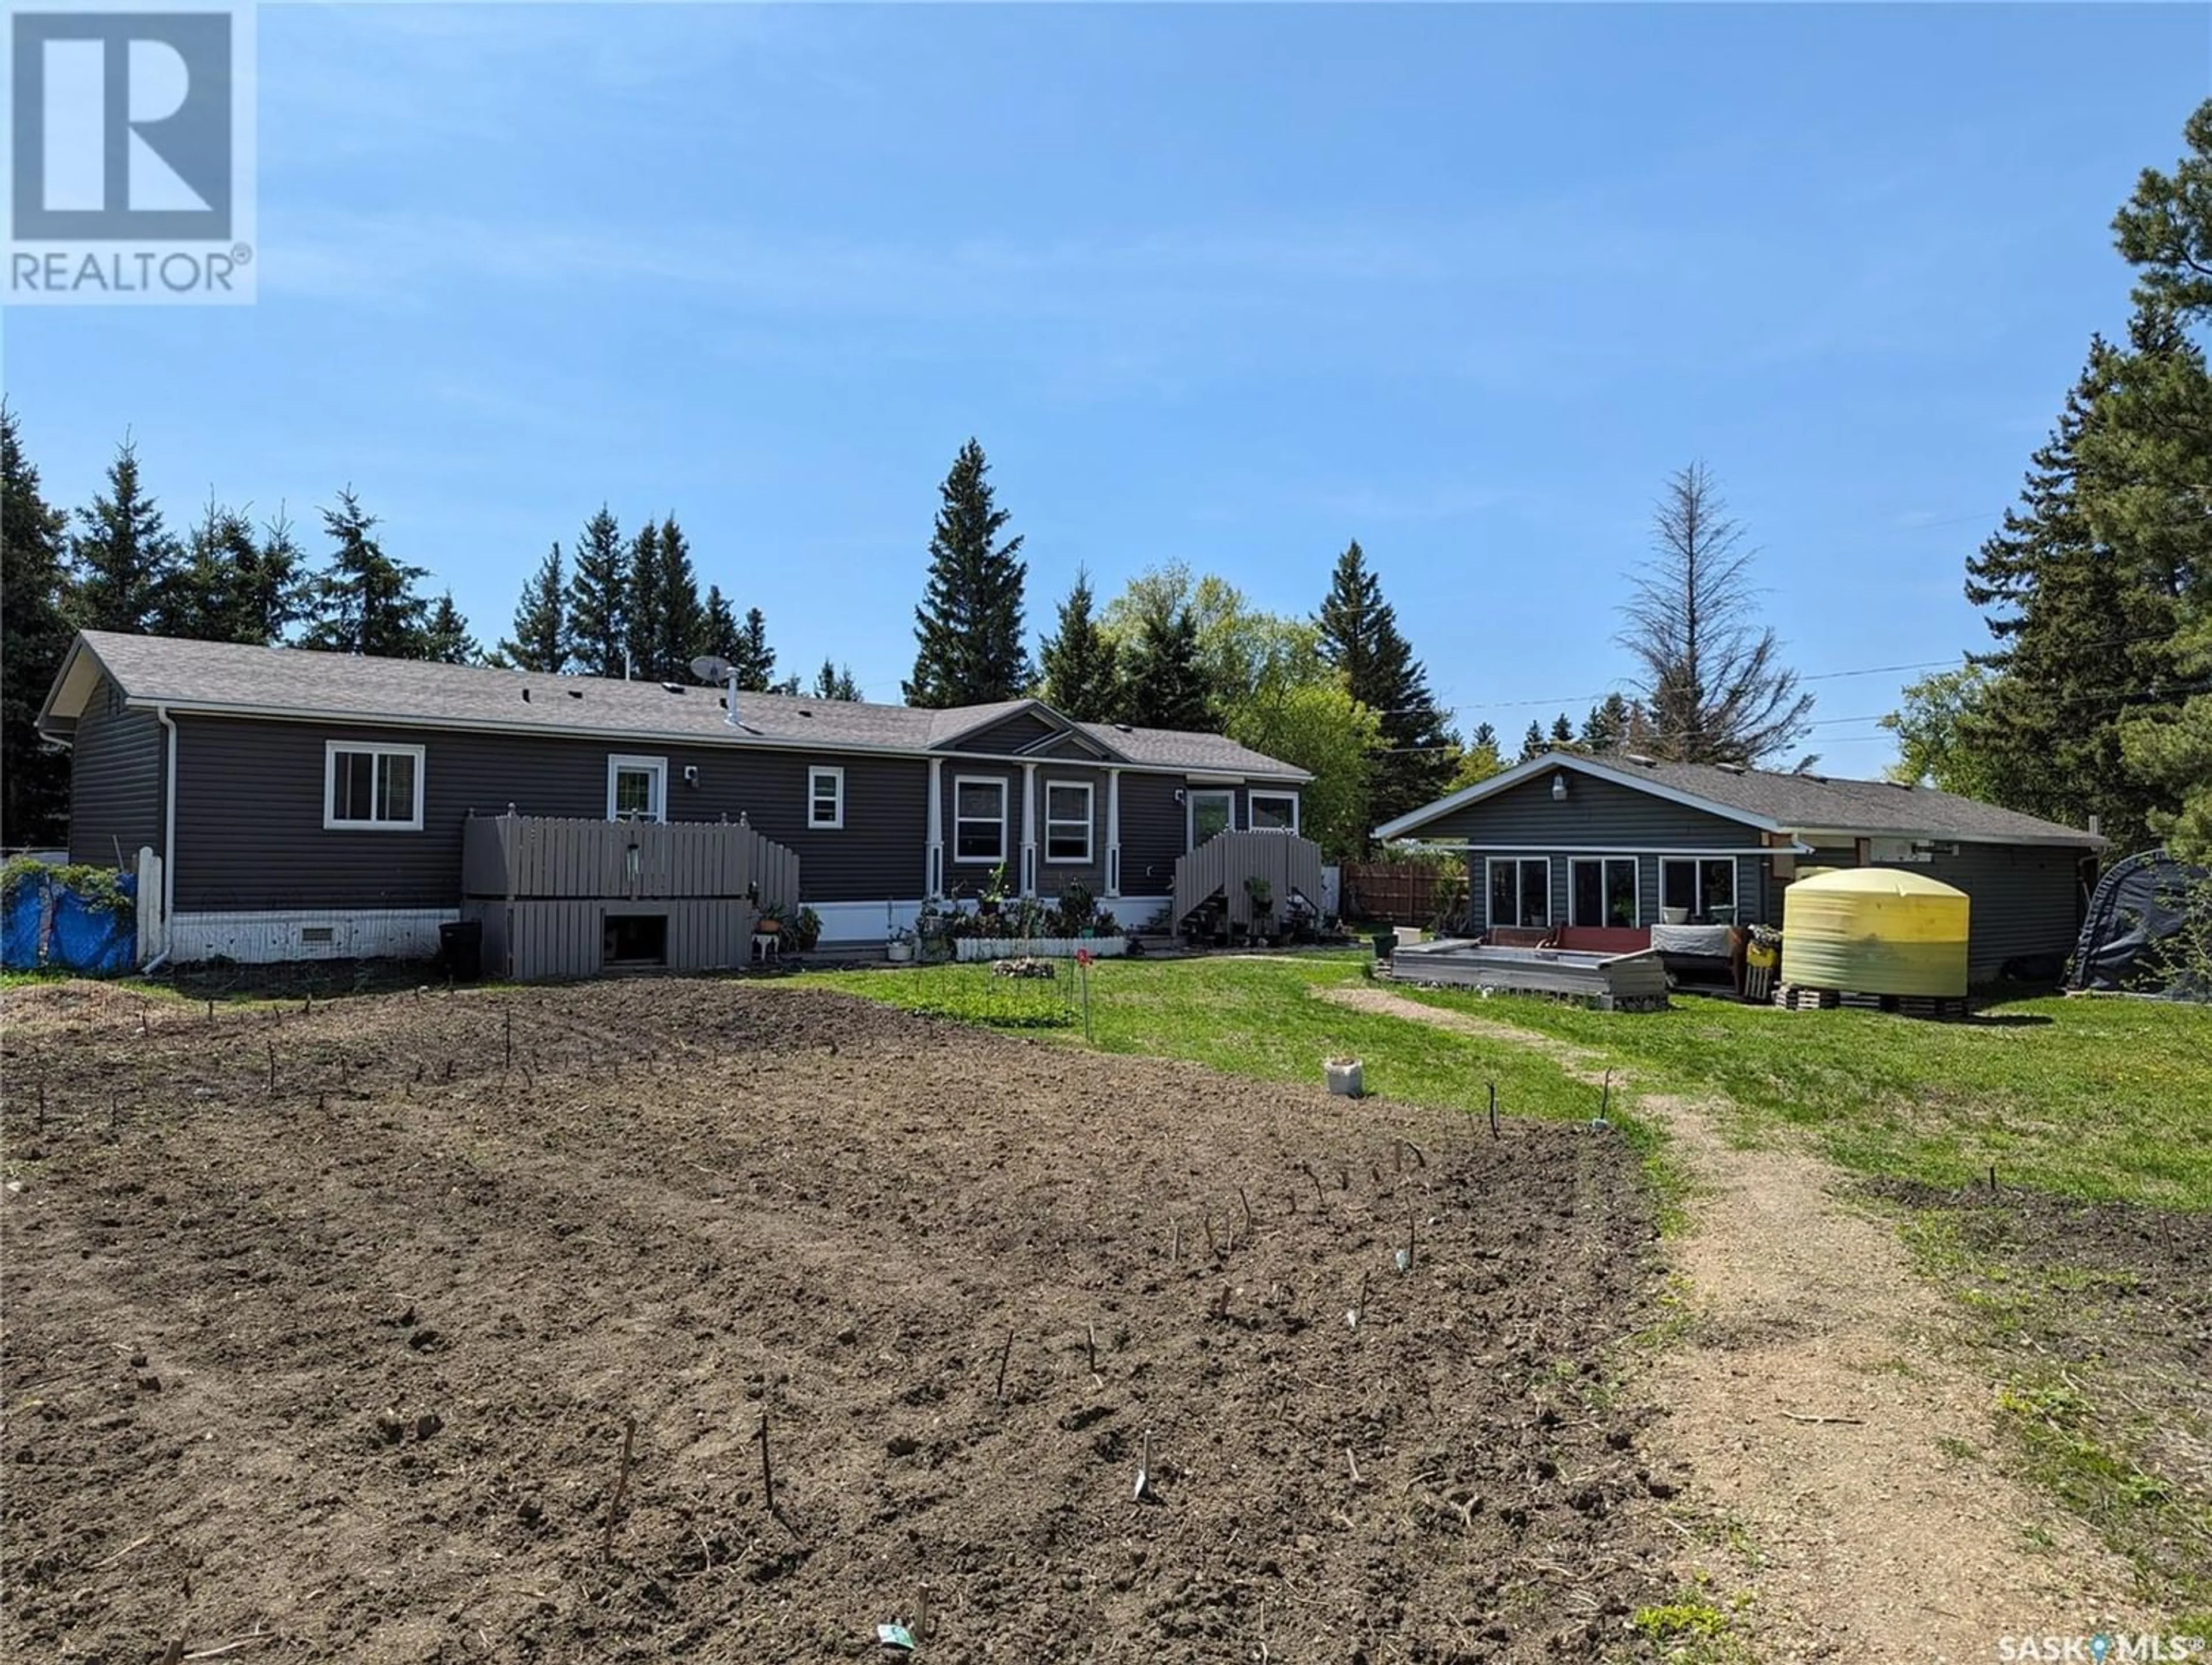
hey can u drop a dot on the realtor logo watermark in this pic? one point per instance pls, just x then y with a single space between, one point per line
2102 1648
131 155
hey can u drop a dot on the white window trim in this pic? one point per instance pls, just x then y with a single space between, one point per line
1635 890
657 767
1006 793
814 773
330 750
1254 798
1089 823
1191 795
1518 863
1696 864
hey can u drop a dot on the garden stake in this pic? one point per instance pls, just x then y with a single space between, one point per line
1145 1467
1091 1344
1493 1110
1247 1201
272 1069
1006 1352
621 1482
1352 1464
1605 1096
510 1039
1993 1179
767 1474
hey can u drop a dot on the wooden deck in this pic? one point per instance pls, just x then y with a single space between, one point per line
564 897
1221 867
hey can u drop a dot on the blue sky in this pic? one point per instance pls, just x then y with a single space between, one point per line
1225 285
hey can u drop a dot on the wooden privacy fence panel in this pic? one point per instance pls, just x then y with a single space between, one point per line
1289 864
1400 892
545 888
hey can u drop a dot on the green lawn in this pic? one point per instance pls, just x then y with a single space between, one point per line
2107 1099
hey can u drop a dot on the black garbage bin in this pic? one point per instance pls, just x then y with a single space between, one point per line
460 947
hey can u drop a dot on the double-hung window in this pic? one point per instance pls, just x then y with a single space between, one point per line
1520 890
979 819
1601 890
1703 889
378 786
825 798
1068 821
637 788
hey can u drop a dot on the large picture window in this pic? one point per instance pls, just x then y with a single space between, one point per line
637 788
1602 891
1520 890
979 819
377 786
1704 890
1068 821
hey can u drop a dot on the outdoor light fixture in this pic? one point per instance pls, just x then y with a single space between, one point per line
1559 787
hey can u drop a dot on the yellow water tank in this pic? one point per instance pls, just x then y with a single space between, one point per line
1874 931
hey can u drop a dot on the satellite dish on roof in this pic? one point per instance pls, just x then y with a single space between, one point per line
709 668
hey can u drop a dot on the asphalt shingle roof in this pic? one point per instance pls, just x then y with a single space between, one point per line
302 681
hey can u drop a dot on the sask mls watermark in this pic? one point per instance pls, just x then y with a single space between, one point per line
131 155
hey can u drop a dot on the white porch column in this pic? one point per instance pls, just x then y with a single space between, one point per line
1028 829
933 865
1113 832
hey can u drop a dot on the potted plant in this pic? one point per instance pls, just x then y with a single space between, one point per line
1344 1074
898 946
805 930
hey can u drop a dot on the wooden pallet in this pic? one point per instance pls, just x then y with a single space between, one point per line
1795 997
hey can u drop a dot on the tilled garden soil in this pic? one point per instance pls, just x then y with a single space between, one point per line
325 1330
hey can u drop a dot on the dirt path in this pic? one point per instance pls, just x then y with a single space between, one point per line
1830 1431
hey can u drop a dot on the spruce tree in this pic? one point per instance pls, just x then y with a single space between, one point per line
1605 728
719 631
445 638
1533 744
230 584
598 623
1163 686
1080 662
968 626
752 660
832 682
540 638
124 555
365 601
34 635
682 634
2085 638
1563 733
648 611
1360 638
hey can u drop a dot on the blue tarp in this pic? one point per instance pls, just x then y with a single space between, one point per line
44 924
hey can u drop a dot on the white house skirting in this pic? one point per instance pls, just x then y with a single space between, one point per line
308 934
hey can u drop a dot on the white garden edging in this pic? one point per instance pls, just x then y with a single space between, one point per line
970 949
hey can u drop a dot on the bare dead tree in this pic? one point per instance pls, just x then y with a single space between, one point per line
1713 688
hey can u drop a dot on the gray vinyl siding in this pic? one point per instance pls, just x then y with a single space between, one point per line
250 812
116 759
1596 812
1152 834
1008 734
2024 901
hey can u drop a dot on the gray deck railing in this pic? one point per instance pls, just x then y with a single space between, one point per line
535 858
1226 861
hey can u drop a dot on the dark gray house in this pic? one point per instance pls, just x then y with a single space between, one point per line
313 803
1602 849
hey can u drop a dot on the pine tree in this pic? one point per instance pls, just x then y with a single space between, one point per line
719 632
682 634
752 659
1081 664
598 623
832 683
1715 689
364 601
648 611
968 626
540 638
445 638
1533 744
1360 638
2085 638
124 555
1162 684
34 635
